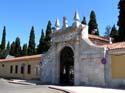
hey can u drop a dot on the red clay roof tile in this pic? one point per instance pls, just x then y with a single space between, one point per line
98 37
21 58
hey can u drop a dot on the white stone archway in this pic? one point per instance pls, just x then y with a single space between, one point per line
87 56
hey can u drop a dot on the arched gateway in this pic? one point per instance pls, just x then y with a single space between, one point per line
72 59
66 66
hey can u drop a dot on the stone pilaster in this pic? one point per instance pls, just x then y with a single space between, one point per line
76 63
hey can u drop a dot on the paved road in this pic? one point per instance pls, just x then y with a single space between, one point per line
6 87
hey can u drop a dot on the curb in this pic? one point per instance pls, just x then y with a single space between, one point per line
59 89
20 83
63 90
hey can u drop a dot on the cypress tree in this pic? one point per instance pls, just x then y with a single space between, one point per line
114 34
121 20
113 31
17 47
93 26
24 50
3 42
41 46
48 31
84 20
47 37
31 46
12 49
107 31
3 54
8 48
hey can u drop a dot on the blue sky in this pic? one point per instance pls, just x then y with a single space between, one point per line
19 15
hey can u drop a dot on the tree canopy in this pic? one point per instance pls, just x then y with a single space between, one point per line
47 37
17 50
41 46
24 50
84 20
121 20
93 26
114 34
3 42
31 46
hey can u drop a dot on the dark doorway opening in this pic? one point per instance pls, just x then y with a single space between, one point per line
66 66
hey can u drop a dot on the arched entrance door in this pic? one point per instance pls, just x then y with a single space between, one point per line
66 66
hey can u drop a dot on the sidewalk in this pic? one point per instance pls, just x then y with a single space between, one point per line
70 89
83 89
24 82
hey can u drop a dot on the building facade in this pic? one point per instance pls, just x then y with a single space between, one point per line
77 58
74 58
27 67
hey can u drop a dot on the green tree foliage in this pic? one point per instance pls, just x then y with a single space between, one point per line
48 37
3 54
3 51
17 47
31 46
93 26
121 20
41 46
48 31
3 42
24 50
12 49
8 48
84 20
114 34
107 31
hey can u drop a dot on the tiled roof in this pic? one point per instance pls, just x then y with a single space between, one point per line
119 45
21 58
98 38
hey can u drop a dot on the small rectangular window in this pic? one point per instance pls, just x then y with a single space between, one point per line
22 69
16 69
29 69
11 69
2 65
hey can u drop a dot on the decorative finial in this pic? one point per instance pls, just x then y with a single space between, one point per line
76 16
65 22
110 40
57 24
76 23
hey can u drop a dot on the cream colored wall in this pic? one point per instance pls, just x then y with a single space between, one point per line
5 71
118 66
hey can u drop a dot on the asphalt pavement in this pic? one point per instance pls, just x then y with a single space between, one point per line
24 86
6 87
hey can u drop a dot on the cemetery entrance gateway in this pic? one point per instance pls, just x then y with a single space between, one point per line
66 66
